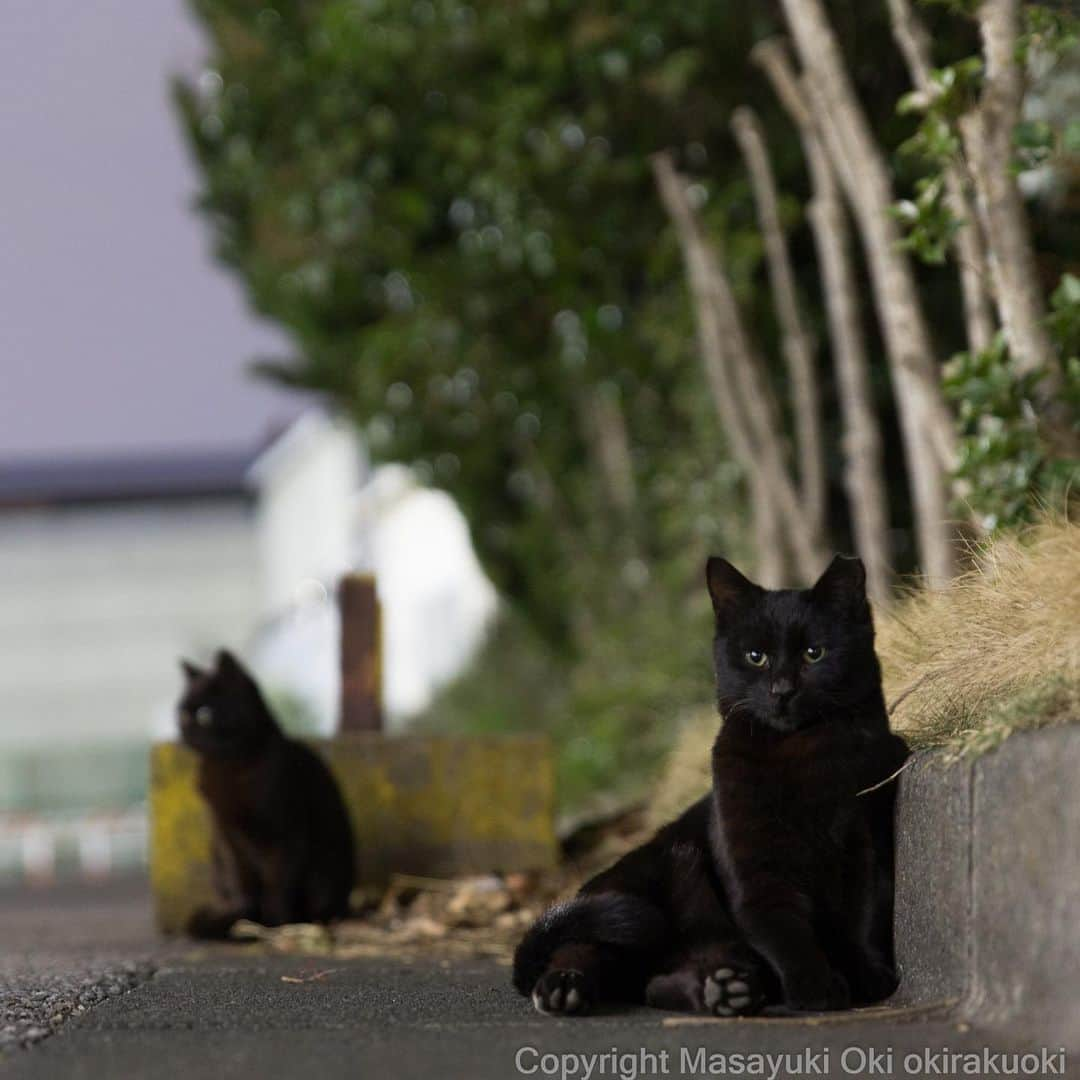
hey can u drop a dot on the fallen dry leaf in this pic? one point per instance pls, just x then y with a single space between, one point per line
313 977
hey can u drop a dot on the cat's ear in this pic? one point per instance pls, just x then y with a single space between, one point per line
191 671
843 586
728 589
227 664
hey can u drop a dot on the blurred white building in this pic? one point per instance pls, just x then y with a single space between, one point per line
111 571
436 601
319 513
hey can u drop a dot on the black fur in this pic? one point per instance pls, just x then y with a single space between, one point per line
283 845
776 888
606 919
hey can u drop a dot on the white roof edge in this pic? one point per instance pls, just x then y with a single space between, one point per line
300 433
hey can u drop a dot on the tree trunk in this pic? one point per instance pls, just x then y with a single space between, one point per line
968 244
988 142
927 427
798 350
738 392
863 476
987 133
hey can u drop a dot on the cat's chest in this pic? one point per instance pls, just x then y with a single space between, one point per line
777 798
238 794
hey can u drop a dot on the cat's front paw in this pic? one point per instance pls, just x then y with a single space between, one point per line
817 993
562 992
719 988
729 991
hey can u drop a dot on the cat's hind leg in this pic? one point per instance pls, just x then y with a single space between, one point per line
580 977
725 979
236 887
595 948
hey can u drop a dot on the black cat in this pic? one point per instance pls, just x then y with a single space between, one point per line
283 845
776 888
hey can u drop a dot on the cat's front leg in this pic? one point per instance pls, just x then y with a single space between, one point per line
760 871
871 977
236 888
784 936
283 874
861 942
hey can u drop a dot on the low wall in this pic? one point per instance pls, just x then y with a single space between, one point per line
437 806
988 883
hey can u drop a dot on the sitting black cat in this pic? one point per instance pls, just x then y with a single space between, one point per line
283 845
776 888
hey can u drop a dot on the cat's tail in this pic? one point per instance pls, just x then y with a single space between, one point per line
607 918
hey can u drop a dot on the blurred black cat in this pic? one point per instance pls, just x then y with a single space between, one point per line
775 888
283 846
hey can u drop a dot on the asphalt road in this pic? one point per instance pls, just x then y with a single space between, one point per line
228 1013
65 950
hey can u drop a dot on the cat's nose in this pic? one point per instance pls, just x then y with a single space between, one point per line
782 687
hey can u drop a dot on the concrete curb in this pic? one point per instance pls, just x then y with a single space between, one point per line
988 884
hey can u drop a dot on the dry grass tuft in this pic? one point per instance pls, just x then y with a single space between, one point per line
996 652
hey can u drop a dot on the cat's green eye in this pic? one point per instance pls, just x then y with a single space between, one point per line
203 715
756 658
813 653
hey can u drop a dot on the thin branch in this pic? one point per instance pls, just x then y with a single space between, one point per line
926 424
863 474
737 386
968 243
988 141
797 348
987 134
716 363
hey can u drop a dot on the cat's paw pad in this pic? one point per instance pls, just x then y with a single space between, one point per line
729 991
562 992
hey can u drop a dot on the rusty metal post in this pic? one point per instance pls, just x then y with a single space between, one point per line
361 654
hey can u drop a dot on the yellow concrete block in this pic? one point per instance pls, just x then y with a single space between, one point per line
426 804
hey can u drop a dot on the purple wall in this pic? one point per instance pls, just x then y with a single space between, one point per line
117 333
